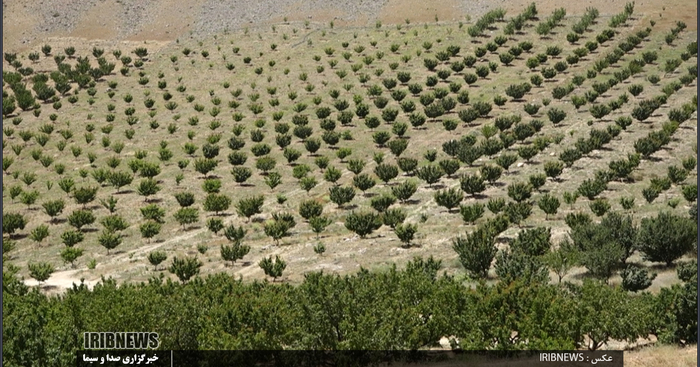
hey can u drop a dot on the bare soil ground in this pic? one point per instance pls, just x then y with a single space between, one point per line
28 24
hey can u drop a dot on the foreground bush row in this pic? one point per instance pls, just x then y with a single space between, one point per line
397 309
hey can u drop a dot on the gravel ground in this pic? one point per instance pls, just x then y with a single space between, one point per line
29 22
63 15
59 15
217 16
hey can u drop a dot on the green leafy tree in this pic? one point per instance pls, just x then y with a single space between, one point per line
341 195
393 217
666 237
53 208
548 204
650 193
272 268
512 266
363 182
39 233
205 165
114 223
6 163
332 174
599 307
265 164
84 195
217 203
119 179
307 183
527 152
153 212
431 174
600 253
636 279
363 223
449 166
277 229
356 166
185 268
406 233
496 205
537 180
677 175
627 203
109 240
186 216
382 202
71 238
621 169
215 225
506 160
318 224
590 188
449 199
599 206
690 192
519 191
148 169
491 173
570 198
149 229
241 174
472 184
397 146
81 218
570 156
518 211
148 187
386 172
533 242
70 254
248 207
40 271
476 251
8 106
563 259
471 213
517 91
556 115
404 190
310 208
234 252
156 258
185 199
468 154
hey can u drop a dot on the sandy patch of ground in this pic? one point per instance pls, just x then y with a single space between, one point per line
173 19
417 11
168 20
18 24
94 25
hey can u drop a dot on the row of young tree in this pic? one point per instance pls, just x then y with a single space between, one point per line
397 309
364 223
602 248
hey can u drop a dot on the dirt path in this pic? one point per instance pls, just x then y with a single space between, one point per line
65 279
61 280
